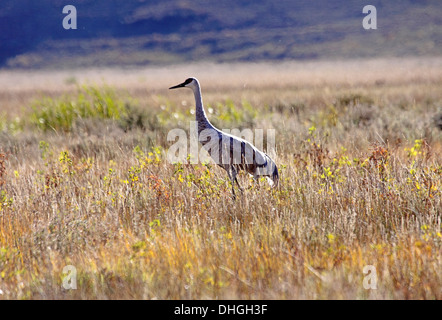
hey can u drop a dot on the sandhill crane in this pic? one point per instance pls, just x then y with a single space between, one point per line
236 153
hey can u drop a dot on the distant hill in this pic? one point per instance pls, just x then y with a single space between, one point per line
112 32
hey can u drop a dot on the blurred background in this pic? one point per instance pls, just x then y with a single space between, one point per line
143 32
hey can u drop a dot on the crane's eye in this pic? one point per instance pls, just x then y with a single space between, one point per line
189 80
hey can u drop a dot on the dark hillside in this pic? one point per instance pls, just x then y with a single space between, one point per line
141 32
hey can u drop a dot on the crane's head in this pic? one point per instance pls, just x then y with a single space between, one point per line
189 83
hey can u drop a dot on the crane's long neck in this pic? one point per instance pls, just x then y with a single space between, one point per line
200 114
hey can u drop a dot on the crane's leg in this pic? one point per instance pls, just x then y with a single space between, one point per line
232 173
256 180
235 179
232 178
240 189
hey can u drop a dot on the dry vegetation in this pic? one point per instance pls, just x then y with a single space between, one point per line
88 185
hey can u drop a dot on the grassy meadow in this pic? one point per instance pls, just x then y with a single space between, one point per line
84 181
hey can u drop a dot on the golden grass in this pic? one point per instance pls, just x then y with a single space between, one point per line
360 164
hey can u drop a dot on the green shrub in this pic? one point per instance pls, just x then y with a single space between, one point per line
227 115
91 102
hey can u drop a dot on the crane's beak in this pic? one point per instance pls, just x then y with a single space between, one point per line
181 85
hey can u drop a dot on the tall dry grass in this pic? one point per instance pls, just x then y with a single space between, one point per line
360 163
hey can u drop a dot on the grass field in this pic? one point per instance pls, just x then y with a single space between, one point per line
85 182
